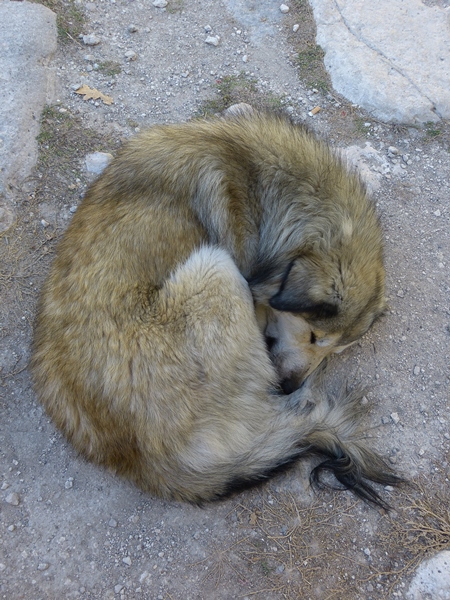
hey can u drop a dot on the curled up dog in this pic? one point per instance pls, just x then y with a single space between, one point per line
208 272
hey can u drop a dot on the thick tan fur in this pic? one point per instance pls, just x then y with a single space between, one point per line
197 242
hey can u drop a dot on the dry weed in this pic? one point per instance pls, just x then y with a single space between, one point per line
339 548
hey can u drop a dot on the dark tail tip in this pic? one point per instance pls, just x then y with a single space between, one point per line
354 478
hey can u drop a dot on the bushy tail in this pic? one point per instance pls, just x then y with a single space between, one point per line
337 434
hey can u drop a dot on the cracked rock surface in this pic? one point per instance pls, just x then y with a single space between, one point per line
391 57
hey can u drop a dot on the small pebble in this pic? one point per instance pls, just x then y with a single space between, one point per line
160 3
118 588
416 370
96 162
91 40
13 499
43 566
284 9
395 417
401 293
5 486
296 28
112 523
212 40
130 55
367 551
126 560
437 213
132 28
69 483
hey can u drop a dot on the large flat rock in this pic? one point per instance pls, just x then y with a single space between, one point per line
432 579
27 42
392 57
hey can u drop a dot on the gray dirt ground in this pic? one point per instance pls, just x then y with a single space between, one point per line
70 530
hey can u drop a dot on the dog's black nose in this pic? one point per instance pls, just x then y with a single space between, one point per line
291 384
270 342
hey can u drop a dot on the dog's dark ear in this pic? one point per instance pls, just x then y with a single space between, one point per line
306 289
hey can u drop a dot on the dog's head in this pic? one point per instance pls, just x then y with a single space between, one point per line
318 304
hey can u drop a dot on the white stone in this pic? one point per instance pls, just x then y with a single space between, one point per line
395 417
432 579
160 3
397 67
284 8
97 161
213 40
13 499
28 37
91 40
369 163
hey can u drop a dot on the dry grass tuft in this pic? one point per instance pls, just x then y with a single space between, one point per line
339 548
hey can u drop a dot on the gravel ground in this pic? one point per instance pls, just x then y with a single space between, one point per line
69 529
